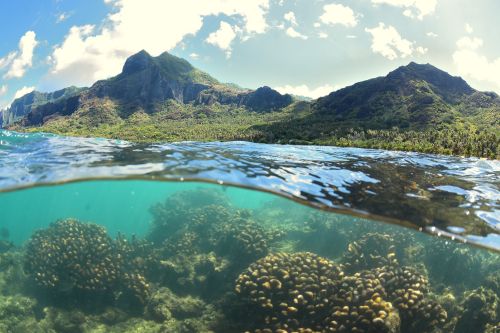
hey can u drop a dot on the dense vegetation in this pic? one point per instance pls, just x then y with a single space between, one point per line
297 124
415 107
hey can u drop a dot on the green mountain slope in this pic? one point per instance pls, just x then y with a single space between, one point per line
147 84
413 96
415 107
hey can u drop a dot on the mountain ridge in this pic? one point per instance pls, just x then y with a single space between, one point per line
165 98
145 83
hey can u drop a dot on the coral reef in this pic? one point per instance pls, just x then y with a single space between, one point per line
408 289
244 238
208 266
302 291
289 291
170 215
371 251
208 249
71 258
307 293
450 263
481 308
203 274
70 255
361 305
16 313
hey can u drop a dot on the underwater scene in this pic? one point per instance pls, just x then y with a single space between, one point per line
155 256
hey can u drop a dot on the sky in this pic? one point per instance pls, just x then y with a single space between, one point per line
304 47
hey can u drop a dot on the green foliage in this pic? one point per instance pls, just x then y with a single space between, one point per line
415 107
296 124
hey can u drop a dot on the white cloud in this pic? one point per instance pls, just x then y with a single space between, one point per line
89 53
23 91
469 43
351 36
223 37
290 17
322 34
412 8
421 50
19 61
194 55
431 34
7 60
317 24
294 33
472 64
304 90
388 42
3 89
338 14
62 17
468 28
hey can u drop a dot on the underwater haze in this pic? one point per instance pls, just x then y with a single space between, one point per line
108 236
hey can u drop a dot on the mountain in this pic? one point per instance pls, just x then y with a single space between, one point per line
23 105
415 96
146 84
164 98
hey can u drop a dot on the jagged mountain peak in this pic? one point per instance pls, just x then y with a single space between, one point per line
137 62
170 66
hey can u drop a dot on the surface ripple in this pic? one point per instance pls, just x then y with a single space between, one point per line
443 195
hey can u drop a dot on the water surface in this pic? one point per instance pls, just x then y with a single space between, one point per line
449 196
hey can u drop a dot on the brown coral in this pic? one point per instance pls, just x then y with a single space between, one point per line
290 291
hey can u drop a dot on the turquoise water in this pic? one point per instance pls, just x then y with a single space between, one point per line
108 236
454 197
157 256
118 205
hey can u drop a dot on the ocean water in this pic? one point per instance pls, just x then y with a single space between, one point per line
108 236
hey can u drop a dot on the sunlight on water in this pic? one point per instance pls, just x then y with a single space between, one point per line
436 194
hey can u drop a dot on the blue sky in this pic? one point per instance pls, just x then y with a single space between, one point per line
306 47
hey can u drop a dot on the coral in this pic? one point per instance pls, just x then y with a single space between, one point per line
209 248
74 258
492 281
245 240
164 305
5 245
72 255
136 261
481 308
12 276
371 251
203 274
16 312
407 288
171 215
360 305
454 264
289 291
